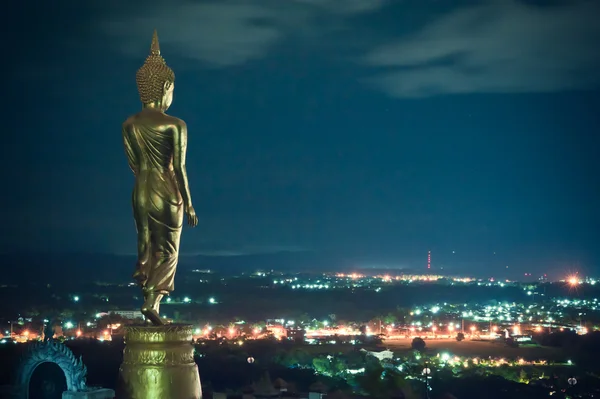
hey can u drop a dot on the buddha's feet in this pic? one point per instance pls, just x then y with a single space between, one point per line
151 306
152 316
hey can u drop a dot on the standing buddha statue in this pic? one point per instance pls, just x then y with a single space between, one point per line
155 145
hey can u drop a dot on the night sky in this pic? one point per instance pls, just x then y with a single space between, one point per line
368 129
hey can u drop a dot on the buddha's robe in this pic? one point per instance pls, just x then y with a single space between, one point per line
157 202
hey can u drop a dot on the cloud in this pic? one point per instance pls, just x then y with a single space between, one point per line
248 250
346 6
226 32
501 46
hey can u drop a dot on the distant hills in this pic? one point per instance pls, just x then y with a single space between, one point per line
54 267
50 268
282 261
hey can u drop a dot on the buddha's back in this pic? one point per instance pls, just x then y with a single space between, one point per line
149 142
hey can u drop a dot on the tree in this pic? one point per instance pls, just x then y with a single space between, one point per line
321 365
338 366
390 319
33 312
460 337
418 344
49 331
329 366
303 319
523 377
294 357
371 382
355 359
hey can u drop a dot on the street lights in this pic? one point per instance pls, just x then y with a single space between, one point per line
427 374
572 382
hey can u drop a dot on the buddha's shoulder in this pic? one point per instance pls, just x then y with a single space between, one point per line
144 118
176 121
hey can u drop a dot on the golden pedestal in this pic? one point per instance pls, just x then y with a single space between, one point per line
158 363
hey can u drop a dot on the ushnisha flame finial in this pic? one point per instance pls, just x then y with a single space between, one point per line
153 75
155 47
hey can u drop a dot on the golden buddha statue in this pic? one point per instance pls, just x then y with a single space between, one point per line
155 144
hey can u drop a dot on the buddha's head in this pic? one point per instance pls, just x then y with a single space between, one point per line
155 80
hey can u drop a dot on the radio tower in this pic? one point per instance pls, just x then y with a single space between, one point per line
428 260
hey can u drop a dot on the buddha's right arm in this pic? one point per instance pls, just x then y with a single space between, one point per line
129 152
179 154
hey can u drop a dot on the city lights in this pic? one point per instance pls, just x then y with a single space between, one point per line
520 321
573 280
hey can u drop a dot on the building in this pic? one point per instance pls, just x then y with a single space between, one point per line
264 389
128 314
296 334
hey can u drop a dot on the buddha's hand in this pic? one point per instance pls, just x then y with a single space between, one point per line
190 213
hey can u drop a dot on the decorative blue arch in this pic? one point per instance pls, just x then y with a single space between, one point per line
51 352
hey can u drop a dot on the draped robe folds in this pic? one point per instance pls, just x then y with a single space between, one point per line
157 204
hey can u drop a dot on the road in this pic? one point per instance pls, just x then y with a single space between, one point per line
484 349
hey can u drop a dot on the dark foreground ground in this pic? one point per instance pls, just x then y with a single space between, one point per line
223 366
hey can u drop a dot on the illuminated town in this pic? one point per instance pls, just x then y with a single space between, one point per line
483 333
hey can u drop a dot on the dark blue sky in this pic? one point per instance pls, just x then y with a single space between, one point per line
372 130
